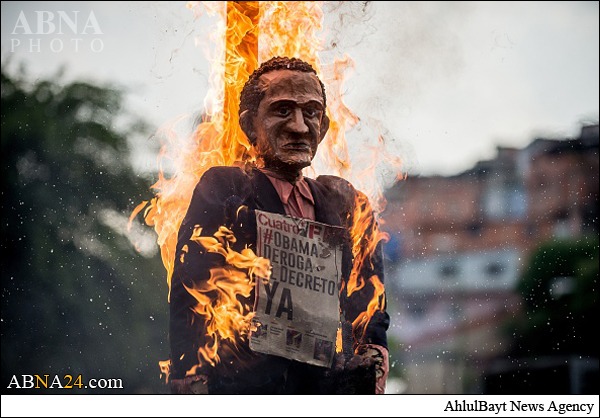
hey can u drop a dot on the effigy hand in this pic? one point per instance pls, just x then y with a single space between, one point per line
190 385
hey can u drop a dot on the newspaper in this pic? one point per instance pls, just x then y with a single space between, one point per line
297 311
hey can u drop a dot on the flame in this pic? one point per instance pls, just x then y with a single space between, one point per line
339 341
247 33
165 368
376 303
366 235
226 318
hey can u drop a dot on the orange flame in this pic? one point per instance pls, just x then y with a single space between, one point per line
217 298
165 369
376 303
366 235
247 33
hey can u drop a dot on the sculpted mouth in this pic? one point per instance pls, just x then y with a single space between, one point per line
297 146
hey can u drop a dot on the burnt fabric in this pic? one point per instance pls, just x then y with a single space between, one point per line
228 196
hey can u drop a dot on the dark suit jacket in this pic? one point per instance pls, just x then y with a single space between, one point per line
215 202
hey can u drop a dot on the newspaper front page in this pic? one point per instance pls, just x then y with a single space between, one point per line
297 310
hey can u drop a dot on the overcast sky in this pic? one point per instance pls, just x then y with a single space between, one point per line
448 81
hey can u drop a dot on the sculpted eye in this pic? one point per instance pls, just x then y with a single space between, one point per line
312 112
283 110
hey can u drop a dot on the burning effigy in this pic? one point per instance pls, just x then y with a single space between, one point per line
275 278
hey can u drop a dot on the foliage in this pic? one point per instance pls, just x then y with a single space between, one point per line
559 289
77 298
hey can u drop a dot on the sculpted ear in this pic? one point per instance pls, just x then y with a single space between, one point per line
324 127
247 126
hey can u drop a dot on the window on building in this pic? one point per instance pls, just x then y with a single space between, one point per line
448 270
474 229
416 310
507 201
494 269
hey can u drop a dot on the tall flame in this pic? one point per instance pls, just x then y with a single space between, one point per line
366 235
247 33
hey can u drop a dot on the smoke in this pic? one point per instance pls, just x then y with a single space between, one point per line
392 69
422 48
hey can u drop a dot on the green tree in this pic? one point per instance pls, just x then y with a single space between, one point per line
77 298
560 293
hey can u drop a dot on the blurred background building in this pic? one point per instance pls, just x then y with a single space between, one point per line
460 277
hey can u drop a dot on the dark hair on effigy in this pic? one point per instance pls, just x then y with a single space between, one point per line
252 95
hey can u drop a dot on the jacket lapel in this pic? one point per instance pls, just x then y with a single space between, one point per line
264 194
325 206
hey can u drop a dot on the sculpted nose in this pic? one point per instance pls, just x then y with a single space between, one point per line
297 123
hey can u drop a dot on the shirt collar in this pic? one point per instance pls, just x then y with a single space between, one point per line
284 188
